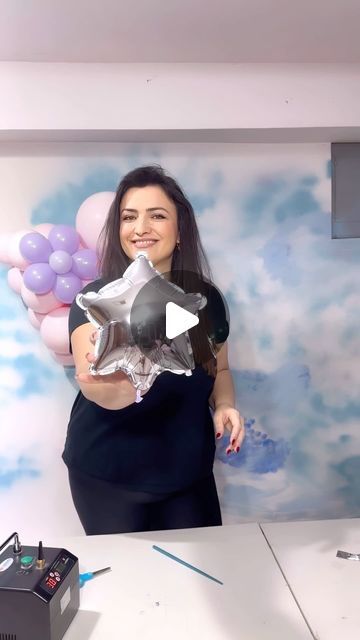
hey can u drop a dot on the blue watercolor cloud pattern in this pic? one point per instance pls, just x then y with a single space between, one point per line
35 376
12 473
62 206
259 453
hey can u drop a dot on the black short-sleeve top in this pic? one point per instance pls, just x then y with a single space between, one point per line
162 444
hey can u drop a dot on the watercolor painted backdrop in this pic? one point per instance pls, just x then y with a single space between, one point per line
294 299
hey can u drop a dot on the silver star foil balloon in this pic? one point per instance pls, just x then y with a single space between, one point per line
130 315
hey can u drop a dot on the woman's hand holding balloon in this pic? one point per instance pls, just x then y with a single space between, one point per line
91 378
112 391
110 378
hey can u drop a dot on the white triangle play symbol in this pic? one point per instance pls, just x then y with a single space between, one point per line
178 320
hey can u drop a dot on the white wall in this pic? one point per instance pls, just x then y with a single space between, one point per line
228 102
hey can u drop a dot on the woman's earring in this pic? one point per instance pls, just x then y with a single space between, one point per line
178 244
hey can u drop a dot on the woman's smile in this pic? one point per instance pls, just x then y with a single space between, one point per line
141 244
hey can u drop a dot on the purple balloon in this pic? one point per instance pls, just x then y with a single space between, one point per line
34 247
39 278
64 237
67 287
60 261
85 264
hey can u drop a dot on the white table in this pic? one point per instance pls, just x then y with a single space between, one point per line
148 596
326 588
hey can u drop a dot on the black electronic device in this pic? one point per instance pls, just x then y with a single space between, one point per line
39 591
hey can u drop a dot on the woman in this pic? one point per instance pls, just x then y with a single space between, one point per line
149 465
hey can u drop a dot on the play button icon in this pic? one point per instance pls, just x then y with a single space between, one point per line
178 320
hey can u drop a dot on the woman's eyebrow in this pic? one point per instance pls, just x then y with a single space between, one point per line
150 209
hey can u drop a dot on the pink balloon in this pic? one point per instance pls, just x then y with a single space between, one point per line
65 360
44 228
91 217
54 331
15 279
41 303
4 247
15 257
36 318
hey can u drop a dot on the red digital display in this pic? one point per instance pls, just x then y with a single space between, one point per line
50 582
56 574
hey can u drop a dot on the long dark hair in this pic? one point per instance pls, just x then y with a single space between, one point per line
190 268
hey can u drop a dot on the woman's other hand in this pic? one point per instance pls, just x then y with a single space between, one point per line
227 417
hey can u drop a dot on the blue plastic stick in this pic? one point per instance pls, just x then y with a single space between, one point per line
84 577
186 564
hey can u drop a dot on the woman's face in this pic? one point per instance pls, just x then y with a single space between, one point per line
148 222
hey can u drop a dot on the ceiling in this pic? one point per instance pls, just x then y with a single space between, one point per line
127 31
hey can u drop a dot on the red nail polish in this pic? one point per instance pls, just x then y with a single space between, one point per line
233 442
237 449
218 435
228 451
